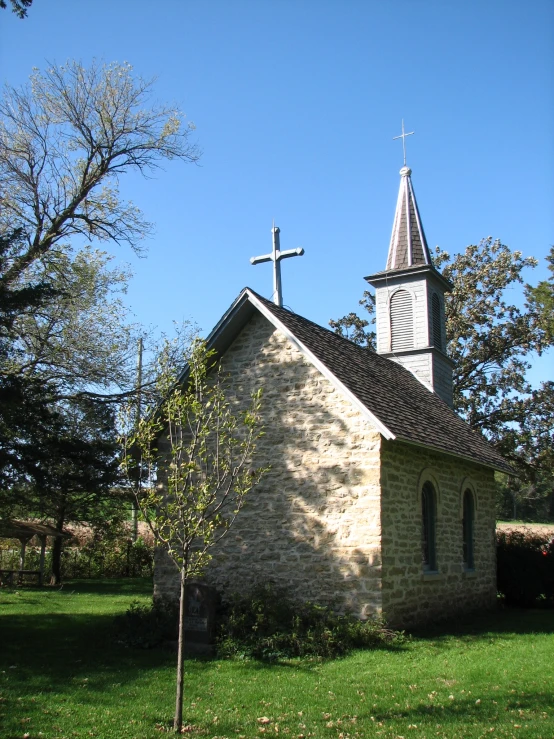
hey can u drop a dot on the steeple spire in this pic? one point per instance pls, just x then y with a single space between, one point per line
409 298
408 245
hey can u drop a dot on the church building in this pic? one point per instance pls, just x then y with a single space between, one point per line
379 498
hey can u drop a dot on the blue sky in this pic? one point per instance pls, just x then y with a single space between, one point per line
296 105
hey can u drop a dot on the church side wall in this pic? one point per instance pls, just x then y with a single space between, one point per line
313 524
411 596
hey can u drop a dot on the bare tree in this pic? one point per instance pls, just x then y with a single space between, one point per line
64 142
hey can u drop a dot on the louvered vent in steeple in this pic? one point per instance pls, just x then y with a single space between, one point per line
401 321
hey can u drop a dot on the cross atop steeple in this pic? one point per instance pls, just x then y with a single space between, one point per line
403 137
275 257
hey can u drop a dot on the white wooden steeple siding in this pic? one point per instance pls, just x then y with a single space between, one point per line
409 299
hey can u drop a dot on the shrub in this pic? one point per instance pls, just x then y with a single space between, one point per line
267 625
525 568
147 626
108 554
90 553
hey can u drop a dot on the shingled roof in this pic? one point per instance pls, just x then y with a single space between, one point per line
398 404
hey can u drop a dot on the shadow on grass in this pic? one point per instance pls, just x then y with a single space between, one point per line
56 652
309 662
457 716
498 623
137 586
469 710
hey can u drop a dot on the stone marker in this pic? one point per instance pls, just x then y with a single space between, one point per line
199 618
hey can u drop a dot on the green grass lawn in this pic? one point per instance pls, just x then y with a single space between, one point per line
61 675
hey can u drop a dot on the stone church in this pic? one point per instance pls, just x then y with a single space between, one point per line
380 499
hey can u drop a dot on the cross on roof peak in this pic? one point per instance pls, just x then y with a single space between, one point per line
275 257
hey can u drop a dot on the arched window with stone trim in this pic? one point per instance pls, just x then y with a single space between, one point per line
401 321
429 527
468 524
437 323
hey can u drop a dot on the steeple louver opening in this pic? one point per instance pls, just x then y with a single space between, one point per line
401 321
436 310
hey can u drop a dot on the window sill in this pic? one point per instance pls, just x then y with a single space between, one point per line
431 576
469 573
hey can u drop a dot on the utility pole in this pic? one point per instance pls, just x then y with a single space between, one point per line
134 512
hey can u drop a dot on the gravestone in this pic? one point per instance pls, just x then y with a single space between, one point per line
200 605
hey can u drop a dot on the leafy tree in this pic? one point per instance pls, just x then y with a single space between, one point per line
65 140
19 7
353 327
27 414
79 468
80 342
491 341
61 338
541 300
64 143
57 457
193 456
25 408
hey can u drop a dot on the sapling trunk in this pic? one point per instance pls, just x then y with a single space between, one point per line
178 722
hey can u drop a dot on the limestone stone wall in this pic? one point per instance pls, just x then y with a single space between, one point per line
313 523
411 596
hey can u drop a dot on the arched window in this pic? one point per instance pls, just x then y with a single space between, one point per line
401 321
436 311
428 527
467 523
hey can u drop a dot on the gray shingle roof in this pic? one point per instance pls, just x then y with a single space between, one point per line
389 391
408 245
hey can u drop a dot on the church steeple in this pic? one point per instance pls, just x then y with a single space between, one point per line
409 299
408 245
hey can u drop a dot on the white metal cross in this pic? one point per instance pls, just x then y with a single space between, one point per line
275 257
403 137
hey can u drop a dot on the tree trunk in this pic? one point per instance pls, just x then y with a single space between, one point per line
178 722
56 576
